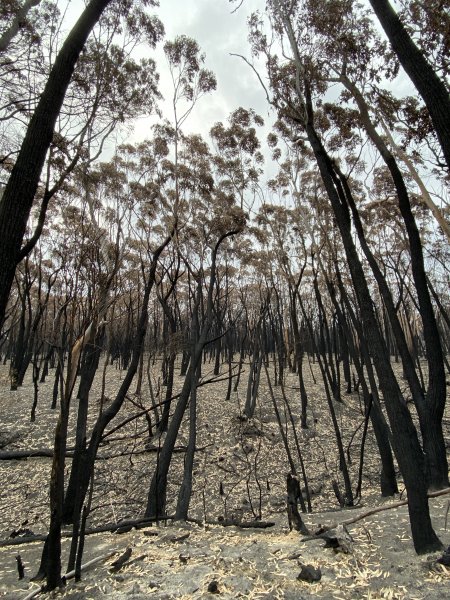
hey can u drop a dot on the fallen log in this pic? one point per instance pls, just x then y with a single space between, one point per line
48 453
247 524
24 454
118 527
234 523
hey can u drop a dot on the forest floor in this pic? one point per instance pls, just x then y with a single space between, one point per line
239 473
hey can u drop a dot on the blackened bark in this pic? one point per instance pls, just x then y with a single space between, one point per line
241 355
217 351
293 496
111 411
281 428
428 84
229 353
253 382
20 344
56 384
18 195
430 408
297 446
53 562
170 373
89 368
156 499
324 343
330 394
344 355
405 441
298 356
443 312
57 479
388 482
184 495
185 358
171 348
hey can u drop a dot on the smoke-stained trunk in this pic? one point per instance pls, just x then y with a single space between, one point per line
428 84
18 195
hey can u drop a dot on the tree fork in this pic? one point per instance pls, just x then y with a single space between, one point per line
406 443
421 73
18 195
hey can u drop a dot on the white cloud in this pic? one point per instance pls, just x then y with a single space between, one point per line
219 32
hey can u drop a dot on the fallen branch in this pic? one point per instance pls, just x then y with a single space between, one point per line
373 511
71 574
118 527
247 524
48 453
17 541
235 523
24 454
119 563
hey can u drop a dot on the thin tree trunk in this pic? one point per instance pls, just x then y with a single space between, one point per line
156 499
388 482
90 365
405 440
184 495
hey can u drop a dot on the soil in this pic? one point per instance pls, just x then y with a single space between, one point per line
239 474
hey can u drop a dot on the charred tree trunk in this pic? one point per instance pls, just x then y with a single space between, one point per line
299 353
349 500
388 481
89 367
293 496
430 408
430 87
18 195
406 444
57 480
184 495
156 500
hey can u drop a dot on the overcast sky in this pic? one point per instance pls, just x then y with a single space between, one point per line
218 32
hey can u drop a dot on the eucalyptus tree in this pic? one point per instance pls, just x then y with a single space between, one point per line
430 86
23 182
287 234
190 81
296 246
363 366
213 220
123 201
238 158
102 186
206 216
168 295
296 91
123 177
348 52
193 184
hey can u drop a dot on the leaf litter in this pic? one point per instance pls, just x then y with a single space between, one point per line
239 473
